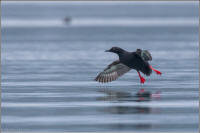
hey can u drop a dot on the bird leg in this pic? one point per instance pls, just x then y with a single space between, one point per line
142 80
157 72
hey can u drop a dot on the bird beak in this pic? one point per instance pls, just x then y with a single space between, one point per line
107 51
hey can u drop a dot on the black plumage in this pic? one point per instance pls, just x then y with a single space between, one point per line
137 60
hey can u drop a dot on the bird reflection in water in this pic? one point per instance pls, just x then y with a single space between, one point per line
127 97
118 96
147 95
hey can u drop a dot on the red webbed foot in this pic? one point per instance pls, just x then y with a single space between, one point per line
157 72
142 80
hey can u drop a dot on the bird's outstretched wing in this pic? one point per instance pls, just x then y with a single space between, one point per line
112 72
146 55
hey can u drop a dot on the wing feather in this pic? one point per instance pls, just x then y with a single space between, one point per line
112 72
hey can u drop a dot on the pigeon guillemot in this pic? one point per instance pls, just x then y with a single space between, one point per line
137 60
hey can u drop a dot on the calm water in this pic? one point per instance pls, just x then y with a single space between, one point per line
48 66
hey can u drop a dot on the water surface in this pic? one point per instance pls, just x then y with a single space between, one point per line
48 66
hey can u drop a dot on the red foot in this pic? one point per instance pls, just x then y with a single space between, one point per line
142 80
157 72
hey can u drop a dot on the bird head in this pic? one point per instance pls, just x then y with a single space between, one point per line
116 50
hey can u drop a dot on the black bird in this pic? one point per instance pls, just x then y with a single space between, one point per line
137 60
67 20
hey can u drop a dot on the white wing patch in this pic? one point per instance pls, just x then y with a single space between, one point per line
146 55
